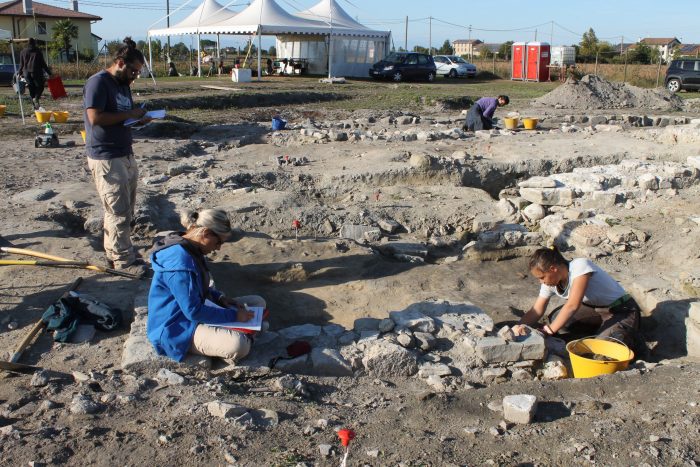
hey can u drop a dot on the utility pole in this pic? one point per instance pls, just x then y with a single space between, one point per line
471 47
430 36
551 34
535 35
167 18
405 42
622 41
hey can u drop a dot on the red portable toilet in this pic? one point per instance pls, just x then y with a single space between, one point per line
518 61
537 61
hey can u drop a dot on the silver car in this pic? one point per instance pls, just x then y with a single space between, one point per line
454 66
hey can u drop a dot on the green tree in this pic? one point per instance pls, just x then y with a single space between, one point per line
156 48
272 51
446 48
420 49
504 50
179 51
64 31
588 47
642 53
113 47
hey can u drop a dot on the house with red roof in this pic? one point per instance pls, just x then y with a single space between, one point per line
27 18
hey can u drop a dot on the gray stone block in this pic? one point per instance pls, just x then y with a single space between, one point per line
297 365
413 320
548 196
298 332
384 359
496 349
329 362
366 324
520 408
533 346
424 340
388 225
356 232
434 369
225 409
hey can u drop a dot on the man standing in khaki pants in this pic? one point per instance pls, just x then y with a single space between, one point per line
108 104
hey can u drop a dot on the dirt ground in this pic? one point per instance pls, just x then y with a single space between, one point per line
218 151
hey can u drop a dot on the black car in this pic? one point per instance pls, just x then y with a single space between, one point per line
399 66
6 69
683 74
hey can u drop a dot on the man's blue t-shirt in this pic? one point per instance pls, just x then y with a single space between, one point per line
104 93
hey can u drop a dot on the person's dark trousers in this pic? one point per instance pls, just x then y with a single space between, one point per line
35 84
476 121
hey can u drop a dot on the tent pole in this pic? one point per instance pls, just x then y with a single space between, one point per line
259 53
218 46
199 55
14 67
330 47
150 54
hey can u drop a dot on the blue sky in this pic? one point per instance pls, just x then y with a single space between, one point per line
491 21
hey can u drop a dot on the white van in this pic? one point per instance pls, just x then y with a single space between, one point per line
454 66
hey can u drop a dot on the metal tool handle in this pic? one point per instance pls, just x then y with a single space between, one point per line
39 325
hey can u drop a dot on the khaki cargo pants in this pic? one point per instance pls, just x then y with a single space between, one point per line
224 343
115 181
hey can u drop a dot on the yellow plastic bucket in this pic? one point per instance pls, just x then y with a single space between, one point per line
583 367
42 117
60 117
530 123
2 110
82 133
511 123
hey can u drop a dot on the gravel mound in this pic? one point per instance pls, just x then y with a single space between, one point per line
593 92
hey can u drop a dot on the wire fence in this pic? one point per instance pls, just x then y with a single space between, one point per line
647 76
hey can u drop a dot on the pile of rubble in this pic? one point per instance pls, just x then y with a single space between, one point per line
448 344
592 92
561 208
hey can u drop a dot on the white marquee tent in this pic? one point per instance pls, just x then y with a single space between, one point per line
305 35
7 36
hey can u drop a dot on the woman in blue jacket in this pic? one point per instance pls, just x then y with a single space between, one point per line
178 318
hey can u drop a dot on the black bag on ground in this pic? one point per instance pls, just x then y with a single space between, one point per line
67 313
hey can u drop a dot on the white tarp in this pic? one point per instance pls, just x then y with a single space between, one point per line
209 12
329 11
352 56
265 17
5 35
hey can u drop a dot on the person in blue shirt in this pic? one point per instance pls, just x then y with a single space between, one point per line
480 116
178 318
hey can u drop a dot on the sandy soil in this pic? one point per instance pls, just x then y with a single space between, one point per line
646 416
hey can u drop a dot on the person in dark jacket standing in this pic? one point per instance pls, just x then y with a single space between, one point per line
32 66
480 116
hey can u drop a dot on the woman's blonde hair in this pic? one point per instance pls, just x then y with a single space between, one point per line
215 220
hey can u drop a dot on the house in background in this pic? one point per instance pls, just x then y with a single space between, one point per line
482 49
689 50
26 18
665 45
623 47
466 47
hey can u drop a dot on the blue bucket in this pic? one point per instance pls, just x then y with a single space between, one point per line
278 123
